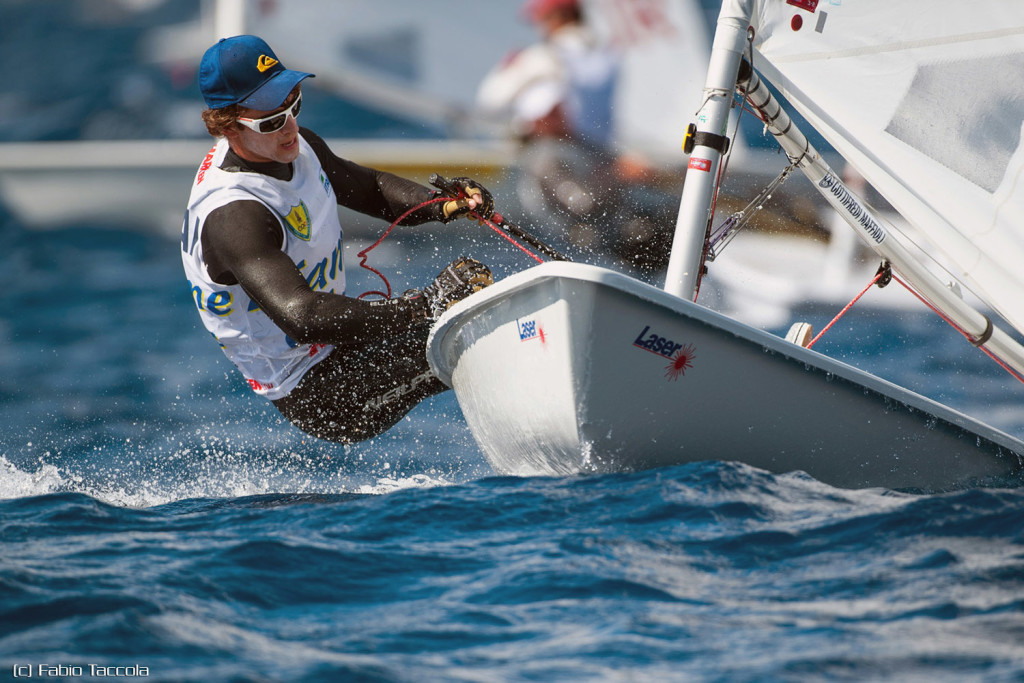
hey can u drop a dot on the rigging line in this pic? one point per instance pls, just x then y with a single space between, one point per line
971 338
364 254
881 273
709 93
495 228
703 269
730 227
878 276
721 236
923 252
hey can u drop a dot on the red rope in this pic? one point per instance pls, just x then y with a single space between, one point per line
364 254
504 234
1013 373
847 308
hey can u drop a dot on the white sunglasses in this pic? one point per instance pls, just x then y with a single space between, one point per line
274 122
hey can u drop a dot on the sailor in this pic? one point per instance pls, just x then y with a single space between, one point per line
262 251
557 95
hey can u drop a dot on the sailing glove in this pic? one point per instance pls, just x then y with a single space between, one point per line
462 190
460 279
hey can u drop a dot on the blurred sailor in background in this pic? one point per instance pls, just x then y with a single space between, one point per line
558 97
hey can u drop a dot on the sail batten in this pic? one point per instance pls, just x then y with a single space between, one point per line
899 46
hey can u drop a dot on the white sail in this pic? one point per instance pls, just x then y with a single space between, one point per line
654 104
926 100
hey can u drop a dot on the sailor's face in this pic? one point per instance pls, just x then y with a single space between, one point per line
281 145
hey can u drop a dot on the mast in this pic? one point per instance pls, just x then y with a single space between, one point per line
229 18
709 140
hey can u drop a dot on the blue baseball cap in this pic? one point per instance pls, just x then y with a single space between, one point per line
244 70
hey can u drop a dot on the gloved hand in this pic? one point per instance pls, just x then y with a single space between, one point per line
468 196
460 279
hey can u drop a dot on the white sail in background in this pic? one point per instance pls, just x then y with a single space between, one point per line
664 46
425 61
926 100
419 60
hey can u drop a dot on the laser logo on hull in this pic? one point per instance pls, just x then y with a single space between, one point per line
680 355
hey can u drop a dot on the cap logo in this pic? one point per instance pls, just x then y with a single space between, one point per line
265 62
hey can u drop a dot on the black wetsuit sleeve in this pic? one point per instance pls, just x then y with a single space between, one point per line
372 192
242 244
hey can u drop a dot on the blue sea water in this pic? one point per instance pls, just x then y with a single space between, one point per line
158 517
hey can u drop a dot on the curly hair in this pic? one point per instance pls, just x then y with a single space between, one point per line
219 120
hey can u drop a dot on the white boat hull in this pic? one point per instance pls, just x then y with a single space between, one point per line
569 368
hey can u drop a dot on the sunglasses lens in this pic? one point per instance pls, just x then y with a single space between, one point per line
276 123
273 123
